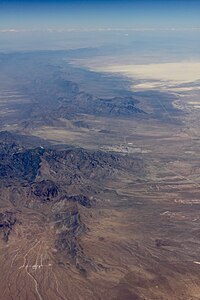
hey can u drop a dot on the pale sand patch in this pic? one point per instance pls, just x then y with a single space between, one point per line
185 89
171 72
149 85
194 102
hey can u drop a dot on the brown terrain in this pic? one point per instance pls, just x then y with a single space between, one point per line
100 185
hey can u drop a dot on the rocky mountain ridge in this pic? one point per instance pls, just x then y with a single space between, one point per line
58 184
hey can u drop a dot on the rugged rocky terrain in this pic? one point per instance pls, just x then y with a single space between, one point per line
78 102
57 183
50 198
99 185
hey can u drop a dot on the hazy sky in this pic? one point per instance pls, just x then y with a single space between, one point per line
33 14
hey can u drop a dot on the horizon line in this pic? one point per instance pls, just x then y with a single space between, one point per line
100 29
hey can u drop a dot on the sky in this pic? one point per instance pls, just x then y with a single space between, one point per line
99 14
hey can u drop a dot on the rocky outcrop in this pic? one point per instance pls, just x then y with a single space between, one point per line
45 190
84 103
7 221
81 199
71 166
69 228
75 164
17 162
